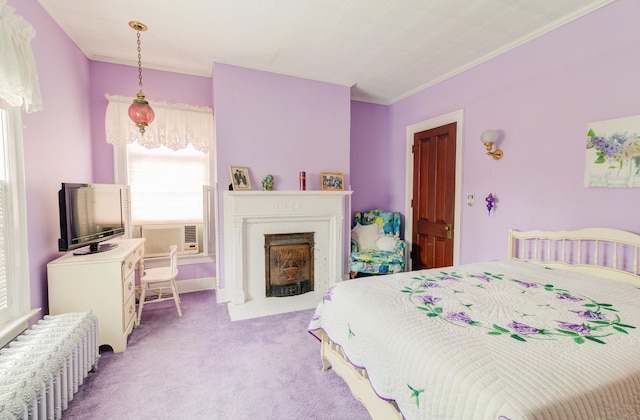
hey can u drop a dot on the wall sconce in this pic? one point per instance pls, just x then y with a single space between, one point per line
488 137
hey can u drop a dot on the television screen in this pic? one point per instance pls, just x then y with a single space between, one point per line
90 214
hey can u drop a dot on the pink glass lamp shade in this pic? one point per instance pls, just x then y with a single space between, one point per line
141 112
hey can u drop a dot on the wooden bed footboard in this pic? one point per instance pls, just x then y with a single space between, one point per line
333 357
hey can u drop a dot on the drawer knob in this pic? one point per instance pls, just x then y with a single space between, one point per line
131 309
130 286
130 265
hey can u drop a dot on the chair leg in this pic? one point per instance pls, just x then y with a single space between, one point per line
176 297
143 294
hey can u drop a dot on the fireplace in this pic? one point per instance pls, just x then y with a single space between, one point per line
288 264
250 215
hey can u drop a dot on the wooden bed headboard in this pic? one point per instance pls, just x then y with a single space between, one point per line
603 252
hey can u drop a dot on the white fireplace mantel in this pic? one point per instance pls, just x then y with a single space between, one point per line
249 215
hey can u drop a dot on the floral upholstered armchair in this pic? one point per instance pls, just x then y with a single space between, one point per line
376 247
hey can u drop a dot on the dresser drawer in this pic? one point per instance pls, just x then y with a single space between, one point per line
129 265
128 288
128 312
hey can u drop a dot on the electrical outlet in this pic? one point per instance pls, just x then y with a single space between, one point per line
470 200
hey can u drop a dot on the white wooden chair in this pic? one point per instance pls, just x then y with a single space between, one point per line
159 281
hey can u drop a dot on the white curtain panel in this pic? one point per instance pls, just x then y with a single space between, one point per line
18 75
175 125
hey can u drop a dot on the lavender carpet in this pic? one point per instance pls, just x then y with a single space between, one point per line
203 366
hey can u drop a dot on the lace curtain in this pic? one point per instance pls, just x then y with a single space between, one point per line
18 75
175 125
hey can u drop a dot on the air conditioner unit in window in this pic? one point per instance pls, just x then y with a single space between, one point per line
160 237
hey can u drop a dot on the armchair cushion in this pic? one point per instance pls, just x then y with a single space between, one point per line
367 236
386 243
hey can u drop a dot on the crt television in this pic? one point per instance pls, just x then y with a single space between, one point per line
90 214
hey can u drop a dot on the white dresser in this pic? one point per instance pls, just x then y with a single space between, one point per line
103 283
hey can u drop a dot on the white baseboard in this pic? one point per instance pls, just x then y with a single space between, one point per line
196 285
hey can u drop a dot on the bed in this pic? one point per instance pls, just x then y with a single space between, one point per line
548 333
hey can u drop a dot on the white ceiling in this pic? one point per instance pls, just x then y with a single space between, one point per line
384 49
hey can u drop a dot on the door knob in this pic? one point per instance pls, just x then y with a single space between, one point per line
447 228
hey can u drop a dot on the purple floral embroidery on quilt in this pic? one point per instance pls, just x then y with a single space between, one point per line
327 294
578 328
436 296
459 316
526 284
430 299
523 329
482 277
567 296
589 315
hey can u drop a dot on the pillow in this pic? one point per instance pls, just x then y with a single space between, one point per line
367 235
386 243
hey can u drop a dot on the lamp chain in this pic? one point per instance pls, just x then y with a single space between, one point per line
139 61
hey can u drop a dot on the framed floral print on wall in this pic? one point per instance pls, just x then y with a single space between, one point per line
613 153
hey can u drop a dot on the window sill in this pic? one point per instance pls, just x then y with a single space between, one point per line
15 327
188 259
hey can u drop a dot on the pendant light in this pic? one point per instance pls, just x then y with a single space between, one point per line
140 111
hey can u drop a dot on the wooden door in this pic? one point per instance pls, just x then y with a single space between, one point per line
434 173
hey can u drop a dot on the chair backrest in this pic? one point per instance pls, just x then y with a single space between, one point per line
173 256
390 221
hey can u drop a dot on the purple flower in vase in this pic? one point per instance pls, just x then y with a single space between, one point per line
523 329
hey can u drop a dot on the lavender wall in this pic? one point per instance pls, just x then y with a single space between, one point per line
278 125
57 144
541 96
158 86
370 151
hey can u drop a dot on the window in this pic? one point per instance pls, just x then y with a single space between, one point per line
167 169
166 185
14 270
19 91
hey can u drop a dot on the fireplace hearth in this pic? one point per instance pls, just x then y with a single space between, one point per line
288 264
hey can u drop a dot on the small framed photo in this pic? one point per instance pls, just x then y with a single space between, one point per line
240 178
332 181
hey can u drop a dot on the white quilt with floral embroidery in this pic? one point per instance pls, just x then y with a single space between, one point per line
493 340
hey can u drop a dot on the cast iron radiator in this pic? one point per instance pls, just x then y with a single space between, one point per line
42 368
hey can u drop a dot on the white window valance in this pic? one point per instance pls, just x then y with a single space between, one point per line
18 75
175 125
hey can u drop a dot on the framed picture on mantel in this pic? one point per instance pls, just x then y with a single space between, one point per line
332 181
240 178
